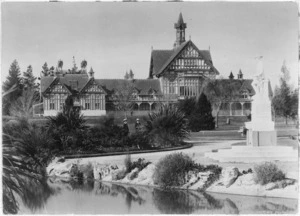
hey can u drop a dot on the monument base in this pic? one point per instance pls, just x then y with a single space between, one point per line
261 138
253 154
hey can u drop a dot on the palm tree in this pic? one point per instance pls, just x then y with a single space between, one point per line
21 165
167 126
60 64
83 65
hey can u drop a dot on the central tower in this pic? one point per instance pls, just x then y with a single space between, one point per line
180 27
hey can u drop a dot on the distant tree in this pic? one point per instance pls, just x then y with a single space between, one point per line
201 117
284 100
51 71
131 74
74 68
45 71
123 97
219 92
126 75
83 65
60 64
23 106
29 79
13 81
231 75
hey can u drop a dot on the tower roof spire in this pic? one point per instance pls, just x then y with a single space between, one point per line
180 23
180 19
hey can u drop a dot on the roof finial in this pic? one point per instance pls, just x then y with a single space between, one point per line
190 37
151 48
209 47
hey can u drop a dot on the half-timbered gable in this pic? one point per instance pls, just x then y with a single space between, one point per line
182 69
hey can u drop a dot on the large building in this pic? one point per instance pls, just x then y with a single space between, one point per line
174 74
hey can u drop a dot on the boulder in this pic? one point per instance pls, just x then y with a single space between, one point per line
104 171
247 179
133 174
199 182
229 176
145 175
62 170
279 184
118 174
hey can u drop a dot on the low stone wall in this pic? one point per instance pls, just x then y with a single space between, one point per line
231 181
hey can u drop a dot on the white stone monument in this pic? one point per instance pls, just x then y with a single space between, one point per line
261 129
261 134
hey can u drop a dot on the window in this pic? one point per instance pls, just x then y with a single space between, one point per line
97 106
87 105
52 107
171 90
181 90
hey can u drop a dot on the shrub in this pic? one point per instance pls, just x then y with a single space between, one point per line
171 170
140 164
267 172
167 126
201 118
128 163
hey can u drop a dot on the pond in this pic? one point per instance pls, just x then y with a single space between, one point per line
105 198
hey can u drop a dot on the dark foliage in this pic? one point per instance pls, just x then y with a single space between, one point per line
171 170
187 105
140 164
25 156
267 172
167 127
68 127
12 82
201 118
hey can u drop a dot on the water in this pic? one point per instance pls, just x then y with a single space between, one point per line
105 198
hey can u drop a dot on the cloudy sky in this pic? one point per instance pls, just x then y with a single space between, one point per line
114 37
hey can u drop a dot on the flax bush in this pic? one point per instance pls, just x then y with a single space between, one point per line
267 172
171 170
167 126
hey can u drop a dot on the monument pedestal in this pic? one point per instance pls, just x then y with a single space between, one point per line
260 137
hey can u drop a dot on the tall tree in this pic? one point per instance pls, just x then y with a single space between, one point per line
83 65
283 100
60 64
201 117
74 68
29 79
126 75
123 97
219 92
45 71
13 81
131 74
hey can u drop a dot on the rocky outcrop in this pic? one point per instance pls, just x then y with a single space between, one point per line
196 180
229 176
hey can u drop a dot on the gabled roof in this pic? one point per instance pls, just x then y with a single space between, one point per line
247 85
142 85
91 81
161 59
80 79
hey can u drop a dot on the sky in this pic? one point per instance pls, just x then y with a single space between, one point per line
116 37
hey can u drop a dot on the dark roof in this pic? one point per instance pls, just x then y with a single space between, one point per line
159 57
247 85
46 82
80 79
142 85
180 22
162 58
